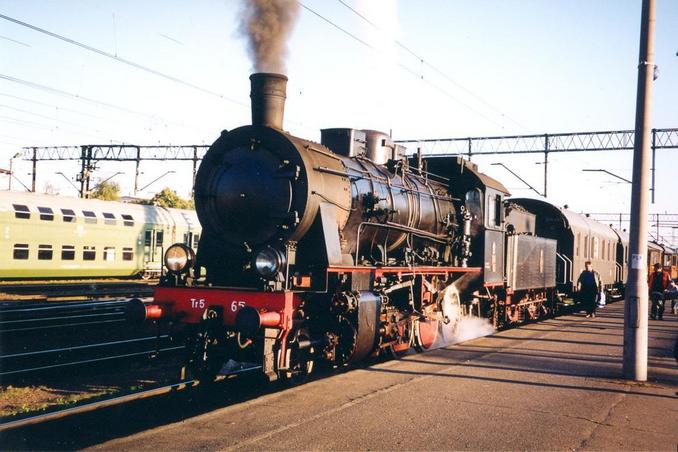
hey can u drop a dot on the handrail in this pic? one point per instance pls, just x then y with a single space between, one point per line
571 275
565 262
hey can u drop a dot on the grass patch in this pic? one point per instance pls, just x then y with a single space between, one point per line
28 399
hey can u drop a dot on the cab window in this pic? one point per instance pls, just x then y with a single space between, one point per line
474 204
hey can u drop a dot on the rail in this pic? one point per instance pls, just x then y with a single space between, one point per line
41 291
76 336
25 316
85 408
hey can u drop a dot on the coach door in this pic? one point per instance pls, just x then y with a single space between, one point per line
153 242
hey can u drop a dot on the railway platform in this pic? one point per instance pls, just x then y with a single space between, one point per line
553 385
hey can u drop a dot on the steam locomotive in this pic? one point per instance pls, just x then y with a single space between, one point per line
336 251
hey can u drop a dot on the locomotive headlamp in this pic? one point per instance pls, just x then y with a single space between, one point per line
179 258
269 262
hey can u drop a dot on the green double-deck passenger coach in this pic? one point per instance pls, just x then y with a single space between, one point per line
45 236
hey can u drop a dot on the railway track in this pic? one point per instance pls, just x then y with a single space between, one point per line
18 316
53 290
44 361
43 337
114 401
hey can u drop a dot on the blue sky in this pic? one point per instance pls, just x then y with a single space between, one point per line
510 67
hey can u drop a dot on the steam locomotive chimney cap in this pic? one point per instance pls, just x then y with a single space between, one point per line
268 94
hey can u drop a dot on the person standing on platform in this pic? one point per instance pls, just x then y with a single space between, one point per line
657 283
672 294
589 286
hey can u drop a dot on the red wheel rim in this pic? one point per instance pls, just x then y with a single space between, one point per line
427 333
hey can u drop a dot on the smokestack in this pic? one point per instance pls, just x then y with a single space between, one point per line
268 99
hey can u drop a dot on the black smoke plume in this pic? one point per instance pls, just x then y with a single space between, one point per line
267 25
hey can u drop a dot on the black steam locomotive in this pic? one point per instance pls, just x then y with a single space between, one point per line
337 251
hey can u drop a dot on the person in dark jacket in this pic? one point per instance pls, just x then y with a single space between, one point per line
657 283
589 286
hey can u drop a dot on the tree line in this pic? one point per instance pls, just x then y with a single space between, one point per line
110 191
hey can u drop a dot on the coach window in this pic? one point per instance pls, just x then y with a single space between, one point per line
128 220
159 238
127 254
196 240
67 252
68 215
46 213
576 253
109 253
90 217
109 218
21 251
21 211
45 252
89 253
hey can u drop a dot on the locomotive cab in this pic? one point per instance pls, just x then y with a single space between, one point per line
483 208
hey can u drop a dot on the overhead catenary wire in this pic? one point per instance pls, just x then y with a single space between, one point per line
434 68
59 92
410 71
15 41
90 115
124 60
204 90
51 118
121 60
52 128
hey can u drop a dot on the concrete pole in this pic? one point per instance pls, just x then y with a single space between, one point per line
635 309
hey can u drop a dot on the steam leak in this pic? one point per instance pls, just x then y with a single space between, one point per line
460 328
267 25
